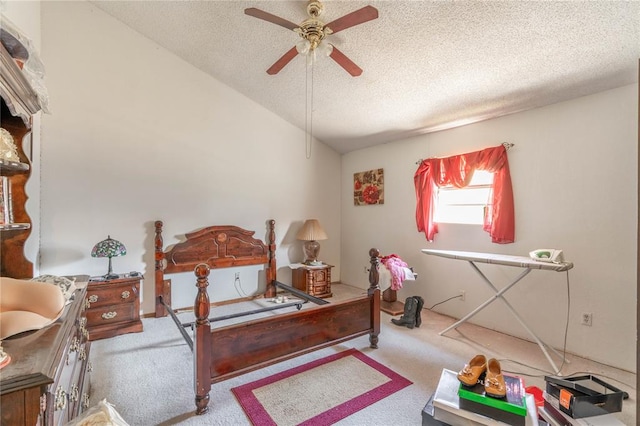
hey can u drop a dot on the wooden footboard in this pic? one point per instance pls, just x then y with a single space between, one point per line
230 351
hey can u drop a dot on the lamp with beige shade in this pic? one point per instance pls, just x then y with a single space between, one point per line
310 233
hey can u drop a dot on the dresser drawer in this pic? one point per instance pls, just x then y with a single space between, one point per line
64 393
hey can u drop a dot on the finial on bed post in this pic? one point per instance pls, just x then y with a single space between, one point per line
271 269
202 349
374 293
159 273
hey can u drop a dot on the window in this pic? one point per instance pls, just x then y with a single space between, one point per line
435 173
464 205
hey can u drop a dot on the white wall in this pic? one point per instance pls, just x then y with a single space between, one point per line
139 135
574 172
25 15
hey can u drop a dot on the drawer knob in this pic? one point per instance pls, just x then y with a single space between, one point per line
85 400
75 344
93 298
75 393
125 294
61 398
109 315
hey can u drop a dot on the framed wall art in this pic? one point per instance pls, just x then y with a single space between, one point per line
368 187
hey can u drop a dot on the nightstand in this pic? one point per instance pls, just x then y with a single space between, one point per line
313 280
113 306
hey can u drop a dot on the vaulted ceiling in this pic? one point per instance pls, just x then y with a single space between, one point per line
427 65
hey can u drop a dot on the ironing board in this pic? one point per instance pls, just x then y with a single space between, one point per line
505 260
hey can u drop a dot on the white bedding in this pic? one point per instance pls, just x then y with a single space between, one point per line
384 281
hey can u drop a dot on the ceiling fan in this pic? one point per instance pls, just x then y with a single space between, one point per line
313 31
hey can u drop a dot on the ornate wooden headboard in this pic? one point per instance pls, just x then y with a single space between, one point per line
217 246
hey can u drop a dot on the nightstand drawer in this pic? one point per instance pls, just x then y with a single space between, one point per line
121 293
111 314
321 277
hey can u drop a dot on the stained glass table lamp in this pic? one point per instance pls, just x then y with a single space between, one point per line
109 248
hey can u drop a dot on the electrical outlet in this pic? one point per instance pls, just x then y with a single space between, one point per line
366 270
237 275
587 319
462 295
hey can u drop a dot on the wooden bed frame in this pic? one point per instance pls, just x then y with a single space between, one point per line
229 351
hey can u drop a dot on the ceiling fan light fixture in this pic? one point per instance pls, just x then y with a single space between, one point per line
325 49
303 47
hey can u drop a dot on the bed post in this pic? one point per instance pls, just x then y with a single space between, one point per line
271 268
162 288
202 347
374 294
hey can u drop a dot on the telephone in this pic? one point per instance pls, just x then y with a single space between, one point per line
547 255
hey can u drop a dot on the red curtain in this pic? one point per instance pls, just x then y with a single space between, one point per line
499 220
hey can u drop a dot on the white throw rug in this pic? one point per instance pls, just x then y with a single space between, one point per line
321 396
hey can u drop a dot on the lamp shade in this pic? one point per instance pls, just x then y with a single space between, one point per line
311 231
109 248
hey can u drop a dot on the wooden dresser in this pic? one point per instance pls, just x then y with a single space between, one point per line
113 307
47 380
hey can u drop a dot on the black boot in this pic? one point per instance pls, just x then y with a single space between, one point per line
419 306
409 317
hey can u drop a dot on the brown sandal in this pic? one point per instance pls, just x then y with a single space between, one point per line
471 372
494 381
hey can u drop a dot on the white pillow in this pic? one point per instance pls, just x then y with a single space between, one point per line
68 286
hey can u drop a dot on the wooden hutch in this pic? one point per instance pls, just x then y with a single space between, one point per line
19 104
46 379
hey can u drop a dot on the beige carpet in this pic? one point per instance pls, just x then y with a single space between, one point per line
149 375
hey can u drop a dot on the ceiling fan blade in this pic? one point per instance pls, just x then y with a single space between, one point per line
345 62
284 60
349 20
266 16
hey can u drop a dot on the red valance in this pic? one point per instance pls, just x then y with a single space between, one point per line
499 219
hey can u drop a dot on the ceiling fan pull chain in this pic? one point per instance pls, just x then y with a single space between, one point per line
308 108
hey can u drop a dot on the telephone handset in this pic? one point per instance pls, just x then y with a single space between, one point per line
547 255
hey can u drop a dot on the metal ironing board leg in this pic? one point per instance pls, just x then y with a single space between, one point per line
498 295
487 302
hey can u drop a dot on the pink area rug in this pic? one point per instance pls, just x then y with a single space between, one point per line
320 392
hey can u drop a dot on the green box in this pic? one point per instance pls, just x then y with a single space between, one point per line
512 409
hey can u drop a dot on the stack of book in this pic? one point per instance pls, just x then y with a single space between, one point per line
447 406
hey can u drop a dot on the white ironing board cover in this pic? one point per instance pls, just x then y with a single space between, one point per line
501 259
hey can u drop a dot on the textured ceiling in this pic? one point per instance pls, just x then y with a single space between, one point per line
428 65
